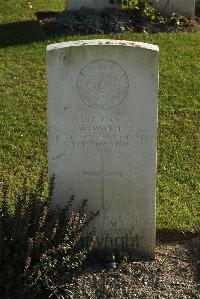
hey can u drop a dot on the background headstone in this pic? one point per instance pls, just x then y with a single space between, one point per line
92 4
102 132
183 7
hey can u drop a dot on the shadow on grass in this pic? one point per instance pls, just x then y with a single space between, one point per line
25 32
175 235
21 33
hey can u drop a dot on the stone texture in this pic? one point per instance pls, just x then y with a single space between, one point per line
183 7
92 4
102 132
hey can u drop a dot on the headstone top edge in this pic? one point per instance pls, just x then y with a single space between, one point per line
102 42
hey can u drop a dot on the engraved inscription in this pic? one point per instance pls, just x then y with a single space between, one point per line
103 134
102 84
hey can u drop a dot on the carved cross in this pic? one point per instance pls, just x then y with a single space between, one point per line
102 174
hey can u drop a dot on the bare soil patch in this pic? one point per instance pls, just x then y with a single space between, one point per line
175 273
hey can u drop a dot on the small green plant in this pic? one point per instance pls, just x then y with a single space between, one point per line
40 249
139 8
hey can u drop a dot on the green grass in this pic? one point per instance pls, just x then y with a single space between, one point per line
23 105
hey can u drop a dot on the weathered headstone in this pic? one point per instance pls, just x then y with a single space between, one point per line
92 4
183 7
102 131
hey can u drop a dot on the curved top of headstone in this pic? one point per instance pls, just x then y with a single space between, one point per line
102 42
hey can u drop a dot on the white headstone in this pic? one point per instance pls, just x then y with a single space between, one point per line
102 131
183 7
92 4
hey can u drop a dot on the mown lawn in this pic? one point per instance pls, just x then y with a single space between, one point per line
23 105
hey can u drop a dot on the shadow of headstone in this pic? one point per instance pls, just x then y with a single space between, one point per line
20 33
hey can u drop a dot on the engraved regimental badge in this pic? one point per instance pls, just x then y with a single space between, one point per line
102 84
